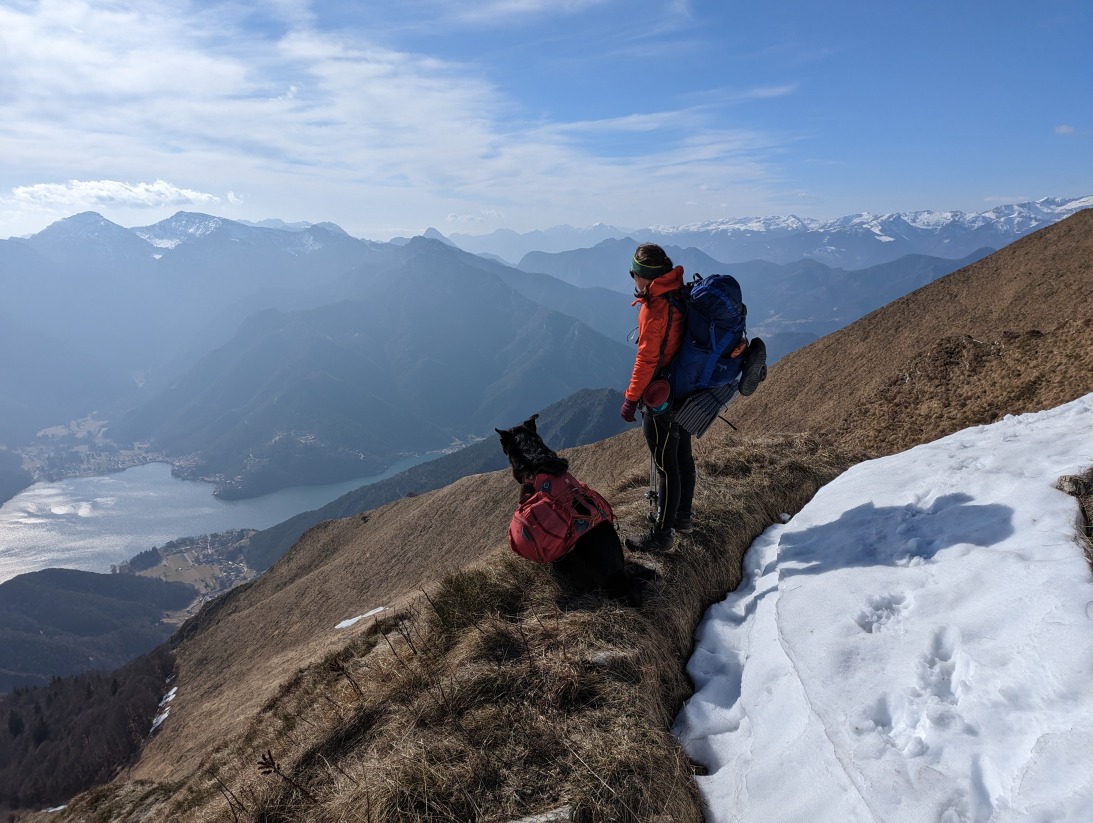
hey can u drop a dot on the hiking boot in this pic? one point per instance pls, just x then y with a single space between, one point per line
683 523
654 540
754 370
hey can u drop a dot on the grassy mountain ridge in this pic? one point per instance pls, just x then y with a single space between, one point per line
1011 333
344 568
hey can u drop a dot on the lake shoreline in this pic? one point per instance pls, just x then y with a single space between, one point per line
93 523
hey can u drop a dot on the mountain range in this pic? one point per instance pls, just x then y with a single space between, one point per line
1008 334
855 241
425 351
246 330
789 304
217 342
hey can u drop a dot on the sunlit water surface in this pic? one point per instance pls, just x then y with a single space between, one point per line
90 523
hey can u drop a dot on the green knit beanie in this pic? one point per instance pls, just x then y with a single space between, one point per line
648 272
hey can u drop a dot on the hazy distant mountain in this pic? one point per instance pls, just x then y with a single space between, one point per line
133 297
300 225
88 241
607 264
862 240
789 305
607 311
431 350
808 296
855 241
511 246
92 312
46 382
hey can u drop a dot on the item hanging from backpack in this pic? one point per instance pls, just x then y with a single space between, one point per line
657 397
714 337
547 524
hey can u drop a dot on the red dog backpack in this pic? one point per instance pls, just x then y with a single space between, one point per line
548 523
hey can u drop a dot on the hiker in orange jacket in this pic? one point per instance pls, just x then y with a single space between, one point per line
660 334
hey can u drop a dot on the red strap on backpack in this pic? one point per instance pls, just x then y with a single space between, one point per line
547 525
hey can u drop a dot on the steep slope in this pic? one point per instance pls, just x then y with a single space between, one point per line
1009 334
567 687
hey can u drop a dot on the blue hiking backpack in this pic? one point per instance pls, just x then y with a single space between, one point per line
713 314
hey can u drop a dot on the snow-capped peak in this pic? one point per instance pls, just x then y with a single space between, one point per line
183 226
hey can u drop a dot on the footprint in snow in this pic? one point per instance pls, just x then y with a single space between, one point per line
882 610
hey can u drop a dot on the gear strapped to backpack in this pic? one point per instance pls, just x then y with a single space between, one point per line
714 337
548 523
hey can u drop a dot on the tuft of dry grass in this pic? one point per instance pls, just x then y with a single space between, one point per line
496 694
1081 487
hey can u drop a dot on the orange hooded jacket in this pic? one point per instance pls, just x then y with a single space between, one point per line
653 325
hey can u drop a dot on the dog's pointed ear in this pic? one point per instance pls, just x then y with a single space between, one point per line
529 424
506 436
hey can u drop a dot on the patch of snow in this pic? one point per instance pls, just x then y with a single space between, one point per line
352 621
913 645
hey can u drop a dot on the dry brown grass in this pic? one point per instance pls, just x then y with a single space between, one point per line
1010 334
494 694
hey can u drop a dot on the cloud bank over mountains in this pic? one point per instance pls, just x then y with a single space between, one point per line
86 194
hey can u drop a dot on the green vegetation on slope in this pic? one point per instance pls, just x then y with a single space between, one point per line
59 622
63 738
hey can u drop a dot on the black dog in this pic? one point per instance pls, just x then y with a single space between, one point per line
596 559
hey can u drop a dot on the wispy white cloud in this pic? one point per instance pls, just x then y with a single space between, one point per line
84 194
1064 129
98 98
769 92
498 12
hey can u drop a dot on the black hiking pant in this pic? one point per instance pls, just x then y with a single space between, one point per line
670 447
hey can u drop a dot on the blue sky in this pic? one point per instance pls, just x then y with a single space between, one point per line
388 118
